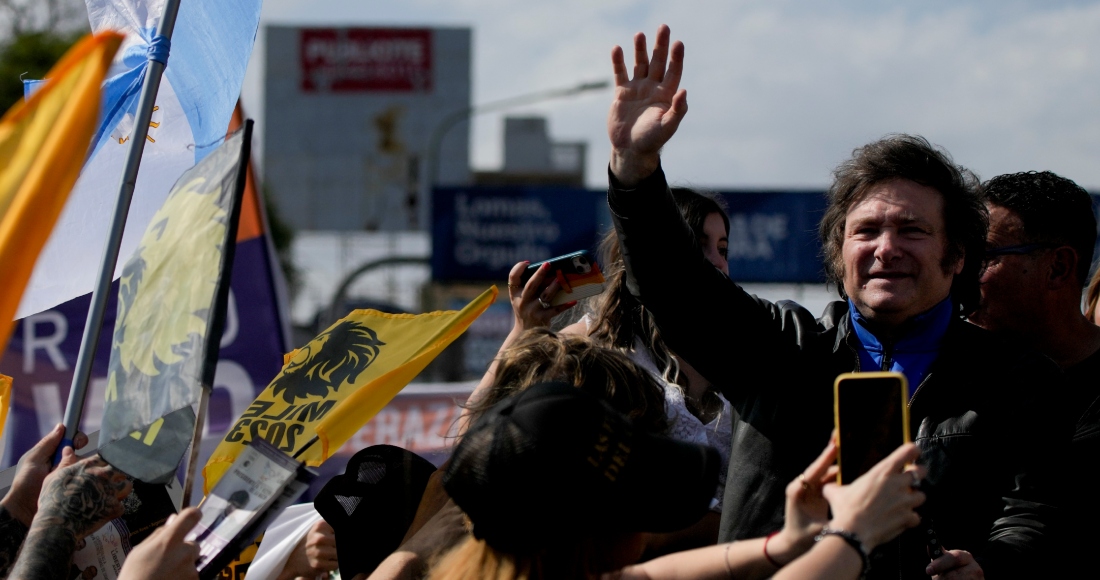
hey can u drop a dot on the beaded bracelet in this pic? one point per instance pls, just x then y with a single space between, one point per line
852 540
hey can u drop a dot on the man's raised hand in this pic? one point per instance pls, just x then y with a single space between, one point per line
647 109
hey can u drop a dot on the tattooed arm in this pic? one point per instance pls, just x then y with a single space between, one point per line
18 507
77 498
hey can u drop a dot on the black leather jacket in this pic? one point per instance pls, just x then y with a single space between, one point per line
987 416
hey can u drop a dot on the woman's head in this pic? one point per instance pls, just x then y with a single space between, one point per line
709 221
619 318
542 355
555 476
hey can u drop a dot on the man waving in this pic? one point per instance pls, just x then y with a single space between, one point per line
904 238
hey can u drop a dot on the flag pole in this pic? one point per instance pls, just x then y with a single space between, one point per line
158 57
196 443
214 339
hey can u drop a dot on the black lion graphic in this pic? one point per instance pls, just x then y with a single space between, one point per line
345 350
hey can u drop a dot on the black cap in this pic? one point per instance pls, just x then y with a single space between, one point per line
371 505
555 462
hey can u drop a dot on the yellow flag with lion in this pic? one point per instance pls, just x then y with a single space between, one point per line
331 387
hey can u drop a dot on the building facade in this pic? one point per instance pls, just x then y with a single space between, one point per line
349 114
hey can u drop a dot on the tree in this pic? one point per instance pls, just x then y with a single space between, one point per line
33 37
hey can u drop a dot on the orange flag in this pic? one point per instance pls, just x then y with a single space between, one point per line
43 143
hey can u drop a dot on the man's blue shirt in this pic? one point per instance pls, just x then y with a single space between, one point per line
911 354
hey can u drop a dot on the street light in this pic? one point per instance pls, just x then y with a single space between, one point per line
448 122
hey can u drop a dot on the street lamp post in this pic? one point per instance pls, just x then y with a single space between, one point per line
456 117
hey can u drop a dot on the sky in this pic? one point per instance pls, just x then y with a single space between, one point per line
781 91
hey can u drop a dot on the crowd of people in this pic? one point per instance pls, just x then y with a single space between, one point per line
676 428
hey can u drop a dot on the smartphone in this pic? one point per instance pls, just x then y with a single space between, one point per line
578 274
872 420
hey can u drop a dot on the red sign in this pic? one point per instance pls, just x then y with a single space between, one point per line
366 59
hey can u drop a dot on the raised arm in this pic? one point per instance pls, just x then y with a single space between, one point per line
665 269
647 108
874 509
527 307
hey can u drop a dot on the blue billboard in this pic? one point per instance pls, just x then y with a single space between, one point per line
773 236
480 232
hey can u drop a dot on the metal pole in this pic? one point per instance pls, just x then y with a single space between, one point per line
94 323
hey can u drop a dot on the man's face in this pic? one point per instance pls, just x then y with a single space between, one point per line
1011 284
893 249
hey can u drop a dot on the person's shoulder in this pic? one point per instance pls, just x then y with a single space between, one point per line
994 356
971 340
833 315
1086 370
799 324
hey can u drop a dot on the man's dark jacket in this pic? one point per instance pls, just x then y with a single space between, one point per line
986 416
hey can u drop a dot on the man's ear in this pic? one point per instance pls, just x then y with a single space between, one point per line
1063 267
960 264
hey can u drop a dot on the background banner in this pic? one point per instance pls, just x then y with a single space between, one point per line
479 233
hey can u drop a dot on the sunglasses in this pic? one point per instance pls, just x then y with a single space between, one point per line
1018 249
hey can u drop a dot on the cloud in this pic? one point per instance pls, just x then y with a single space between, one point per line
779 91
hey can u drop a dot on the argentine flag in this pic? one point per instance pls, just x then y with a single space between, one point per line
211 45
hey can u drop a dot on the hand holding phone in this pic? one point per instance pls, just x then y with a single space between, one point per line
872 420
577 274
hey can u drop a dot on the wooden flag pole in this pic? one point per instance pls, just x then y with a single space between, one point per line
158 58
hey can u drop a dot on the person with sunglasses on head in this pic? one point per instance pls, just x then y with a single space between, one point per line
1042 232
903 235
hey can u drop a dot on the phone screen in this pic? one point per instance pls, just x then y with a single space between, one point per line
872 420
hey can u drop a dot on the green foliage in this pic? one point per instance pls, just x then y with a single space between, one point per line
29 55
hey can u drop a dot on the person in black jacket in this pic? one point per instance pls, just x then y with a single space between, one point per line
904 237
1042 233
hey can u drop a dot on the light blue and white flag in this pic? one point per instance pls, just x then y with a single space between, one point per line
211 45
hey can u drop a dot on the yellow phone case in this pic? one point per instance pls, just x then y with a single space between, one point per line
903 393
